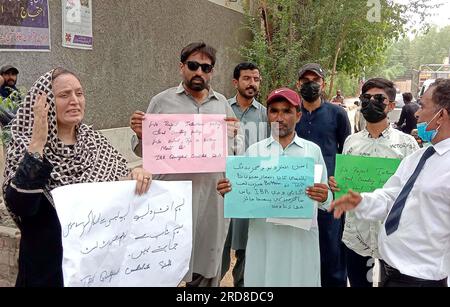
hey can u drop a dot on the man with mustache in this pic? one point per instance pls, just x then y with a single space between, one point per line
282 255
328 126
8 80
253 118
194 95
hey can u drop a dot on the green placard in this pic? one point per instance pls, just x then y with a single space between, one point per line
363 174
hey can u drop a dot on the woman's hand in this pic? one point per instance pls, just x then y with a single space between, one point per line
40 125
319 192
223 186
144 179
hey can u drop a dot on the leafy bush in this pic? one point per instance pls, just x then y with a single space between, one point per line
8 109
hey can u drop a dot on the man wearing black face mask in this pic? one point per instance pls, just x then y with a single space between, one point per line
381 140
328 126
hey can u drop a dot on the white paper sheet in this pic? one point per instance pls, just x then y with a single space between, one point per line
112 237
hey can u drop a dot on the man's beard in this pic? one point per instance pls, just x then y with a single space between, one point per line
244 94
10 83
280 130
197 86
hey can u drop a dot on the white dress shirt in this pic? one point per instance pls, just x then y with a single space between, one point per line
359 235
421 245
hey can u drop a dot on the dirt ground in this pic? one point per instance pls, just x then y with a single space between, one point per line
227 280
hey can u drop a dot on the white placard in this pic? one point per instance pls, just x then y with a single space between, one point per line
111 237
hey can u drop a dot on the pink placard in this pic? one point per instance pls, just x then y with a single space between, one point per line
184 143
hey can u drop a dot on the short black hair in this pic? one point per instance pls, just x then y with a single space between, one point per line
201 47
384 84
243 66
407 97
441 93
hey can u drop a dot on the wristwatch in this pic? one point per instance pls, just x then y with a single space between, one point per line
37 156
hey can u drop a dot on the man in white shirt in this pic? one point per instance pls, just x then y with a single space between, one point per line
414 240
381 140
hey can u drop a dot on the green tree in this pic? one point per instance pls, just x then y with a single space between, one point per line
341 35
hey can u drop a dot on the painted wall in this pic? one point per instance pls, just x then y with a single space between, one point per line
136 52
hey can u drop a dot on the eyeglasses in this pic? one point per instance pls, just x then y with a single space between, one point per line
193 66
366 98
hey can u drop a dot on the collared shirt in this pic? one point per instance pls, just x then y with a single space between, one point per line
421 245
328 126
359 235
281 255
254 125
209 225
177 100
253 121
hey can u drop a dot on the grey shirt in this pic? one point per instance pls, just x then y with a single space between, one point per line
253 121
209 225
255 127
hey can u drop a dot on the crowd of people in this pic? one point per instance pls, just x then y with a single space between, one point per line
403 225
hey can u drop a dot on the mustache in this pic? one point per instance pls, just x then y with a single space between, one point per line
197 78
251 88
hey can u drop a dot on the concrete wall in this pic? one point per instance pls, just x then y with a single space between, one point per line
9 252
136 52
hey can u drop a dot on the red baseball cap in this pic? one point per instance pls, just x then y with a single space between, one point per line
284 93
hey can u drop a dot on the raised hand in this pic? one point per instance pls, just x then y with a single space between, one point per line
40 124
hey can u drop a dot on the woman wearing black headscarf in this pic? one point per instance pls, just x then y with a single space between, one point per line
51 147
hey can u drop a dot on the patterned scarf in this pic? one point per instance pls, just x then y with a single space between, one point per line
91 159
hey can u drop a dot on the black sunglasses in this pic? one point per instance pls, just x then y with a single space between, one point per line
193 65
378 98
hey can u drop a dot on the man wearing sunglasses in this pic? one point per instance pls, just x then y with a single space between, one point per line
414 239
378 139
194 95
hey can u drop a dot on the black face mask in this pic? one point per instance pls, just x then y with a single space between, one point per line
310 91
373 112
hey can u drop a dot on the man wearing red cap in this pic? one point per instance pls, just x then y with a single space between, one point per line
281 255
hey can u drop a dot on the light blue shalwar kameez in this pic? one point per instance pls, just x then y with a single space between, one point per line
280 255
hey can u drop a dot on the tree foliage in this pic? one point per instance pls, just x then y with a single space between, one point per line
344 36
403 58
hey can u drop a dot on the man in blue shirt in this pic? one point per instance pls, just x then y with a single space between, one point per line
328 126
